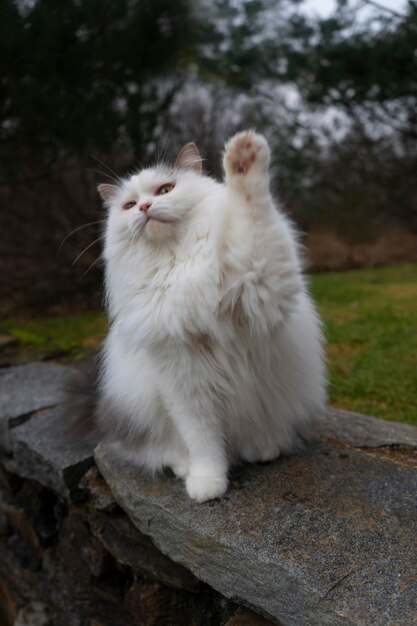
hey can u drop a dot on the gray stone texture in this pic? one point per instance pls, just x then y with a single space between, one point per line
78 583
135 549
364 431
43 451
25 389
125 542
99 494
327 537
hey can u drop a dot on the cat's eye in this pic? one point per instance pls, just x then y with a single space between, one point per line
128 205
165 189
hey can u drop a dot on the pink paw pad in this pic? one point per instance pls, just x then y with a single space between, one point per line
242 165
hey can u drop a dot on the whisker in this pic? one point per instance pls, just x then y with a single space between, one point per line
76 230
85 250
167 145
118 178
91 266
164 148
109 176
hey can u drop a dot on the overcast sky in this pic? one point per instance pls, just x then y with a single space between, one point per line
325 7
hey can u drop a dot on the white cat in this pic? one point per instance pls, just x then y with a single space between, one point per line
215 350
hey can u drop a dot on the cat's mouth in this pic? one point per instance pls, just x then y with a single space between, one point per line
152 218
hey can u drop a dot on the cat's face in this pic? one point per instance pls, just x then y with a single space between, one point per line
154 204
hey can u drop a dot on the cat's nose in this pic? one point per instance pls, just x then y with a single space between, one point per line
145 206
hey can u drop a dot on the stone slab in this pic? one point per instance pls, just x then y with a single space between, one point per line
135 549
324 538
25 389
364 431
97 490
43 451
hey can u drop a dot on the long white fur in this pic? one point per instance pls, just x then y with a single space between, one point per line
215 350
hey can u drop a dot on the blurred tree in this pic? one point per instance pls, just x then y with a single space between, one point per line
73 74
365 67
238 41
127 81
76 78
348 61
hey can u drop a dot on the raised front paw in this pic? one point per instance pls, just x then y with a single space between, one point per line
202 488
246 156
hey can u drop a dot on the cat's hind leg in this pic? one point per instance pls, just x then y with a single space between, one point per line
180 468
174 454
154 457
263 455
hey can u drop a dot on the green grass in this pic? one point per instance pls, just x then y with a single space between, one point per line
73 336
370 320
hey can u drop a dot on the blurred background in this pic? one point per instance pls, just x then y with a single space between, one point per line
91 89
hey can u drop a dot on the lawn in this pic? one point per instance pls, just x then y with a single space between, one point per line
370 320
64 337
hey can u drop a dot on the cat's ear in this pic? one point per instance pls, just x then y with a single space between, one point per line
189 158
106 191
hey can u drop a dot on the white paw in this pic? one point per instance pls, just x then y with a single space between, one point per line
254 455
269 454
181 469
202 488
246 153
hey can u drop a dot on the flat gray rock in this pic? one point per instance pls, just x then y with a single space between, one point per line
42 451
364 431
131 547
25 389
325 538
